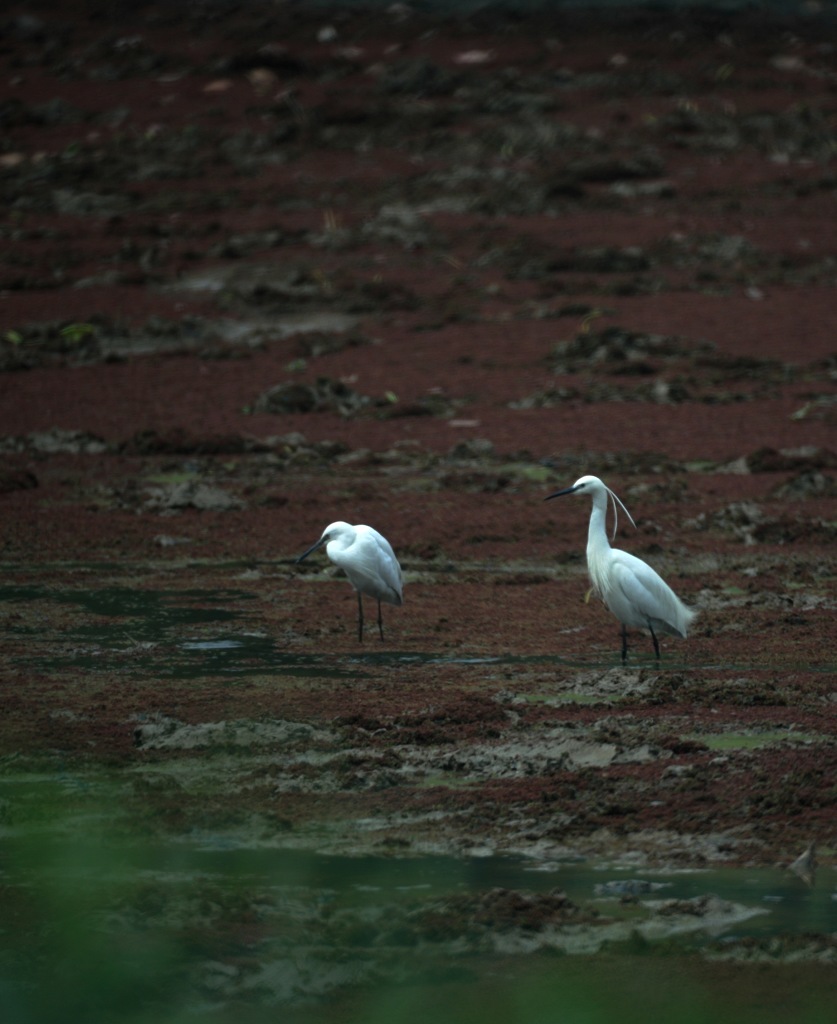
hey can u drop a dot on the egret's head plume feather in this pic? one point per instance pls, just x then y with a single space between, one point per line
616 499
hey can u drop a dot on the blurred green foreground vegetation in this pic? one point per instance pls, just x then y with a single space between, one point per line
99 926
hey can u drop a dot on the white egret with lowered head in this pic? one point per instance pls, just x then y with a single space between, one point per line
629 587
368 560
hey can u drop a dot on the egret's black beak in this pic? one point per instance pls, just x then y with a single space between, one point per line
557 494
313 547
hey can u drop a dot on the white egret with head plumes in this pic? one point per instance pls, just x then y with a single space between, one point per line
634 592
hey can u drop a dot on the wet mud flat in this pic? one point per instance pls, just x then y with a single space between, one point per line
267 268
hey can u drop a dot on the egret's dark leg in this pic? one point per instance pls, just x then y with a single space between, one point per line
624 644
359 618
380 621
656 644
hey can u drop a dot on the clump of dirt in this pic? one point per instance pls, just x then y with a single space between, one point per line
324 394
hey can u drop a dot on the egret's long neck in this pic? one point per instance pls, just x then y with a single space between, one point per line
598 546
597 531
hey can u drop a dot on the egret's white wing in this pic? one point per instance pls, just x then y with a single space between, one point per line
641 597
371 565
389 566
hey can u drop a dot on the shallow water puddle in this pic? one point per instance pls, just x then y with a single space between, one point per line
155 633
754 739
771 901
109 614
173 632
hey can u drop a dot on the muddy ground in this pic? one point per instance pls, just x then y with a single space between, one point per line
264 269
